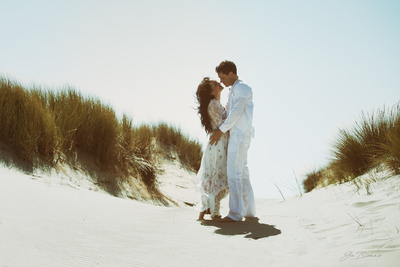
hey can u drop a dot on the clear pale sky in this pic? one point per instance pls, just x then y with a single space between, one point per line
313 65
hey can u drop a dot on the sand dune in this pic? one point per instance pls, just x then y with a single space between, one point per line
45 221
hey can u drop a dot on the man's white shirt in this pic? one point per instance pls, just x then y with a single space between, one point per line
239 109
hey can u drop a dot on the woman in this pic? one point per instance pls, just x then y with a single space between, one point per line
212 179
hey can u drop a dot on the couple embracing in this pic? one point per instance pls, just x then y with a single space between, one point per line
223 168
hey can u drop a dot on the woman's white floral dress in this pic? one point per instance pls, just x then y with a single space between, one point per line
212 178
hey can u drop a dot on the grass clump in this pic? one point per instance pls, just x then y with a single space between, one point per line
374 141
314 178
26 126
189 151
45 127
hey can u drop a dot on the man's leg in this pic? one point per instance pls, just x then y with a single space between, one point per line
237 160
248 195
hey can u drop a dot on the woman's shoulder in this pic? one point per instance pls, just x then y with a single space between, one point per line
214 102
215 106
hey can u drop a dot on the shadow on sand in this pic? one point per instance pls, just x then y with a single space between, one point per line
250 228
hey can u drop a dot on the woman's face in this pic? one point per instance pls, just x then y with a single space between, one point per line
216 88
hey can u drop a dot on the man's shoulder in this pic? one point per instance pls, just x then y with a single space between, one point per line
242 86
241 83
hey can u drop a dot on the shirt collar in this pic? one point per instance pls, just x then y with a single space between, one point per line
238 80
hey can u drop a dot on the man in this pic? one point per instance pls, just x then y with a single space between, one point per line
239 123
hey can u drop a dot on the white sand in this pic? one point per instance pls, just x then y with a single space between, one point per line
50 222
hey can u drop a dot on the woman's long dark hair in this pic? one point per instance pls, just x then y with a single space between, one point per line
204 97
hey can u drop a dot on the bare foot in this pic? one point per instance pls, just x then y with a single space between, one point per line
216 217
226 220
201 216
251 218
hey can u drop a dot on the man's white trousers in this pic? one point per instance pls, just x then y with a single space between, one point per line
241 196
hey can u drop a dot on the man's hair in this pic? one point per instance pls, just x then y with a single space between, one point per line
225 67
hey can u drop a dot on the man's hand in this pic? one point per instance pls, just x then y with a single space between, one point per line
216 135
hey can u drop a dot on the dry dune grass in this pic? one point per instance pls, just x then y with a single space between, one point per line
43 128
373 142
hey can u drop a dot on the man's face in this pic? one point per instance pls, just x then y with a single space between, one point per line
227 80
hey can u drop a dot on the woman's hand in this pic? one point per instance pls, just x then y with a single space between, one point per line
215 136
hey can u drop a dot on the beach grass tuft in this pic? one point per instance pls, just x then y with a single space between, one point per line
63 125
373 142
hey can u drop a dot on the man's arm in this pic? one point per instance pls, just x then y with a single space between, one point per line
239 104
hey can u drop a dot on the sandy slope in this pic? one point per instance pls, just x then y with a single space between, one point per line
48 223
